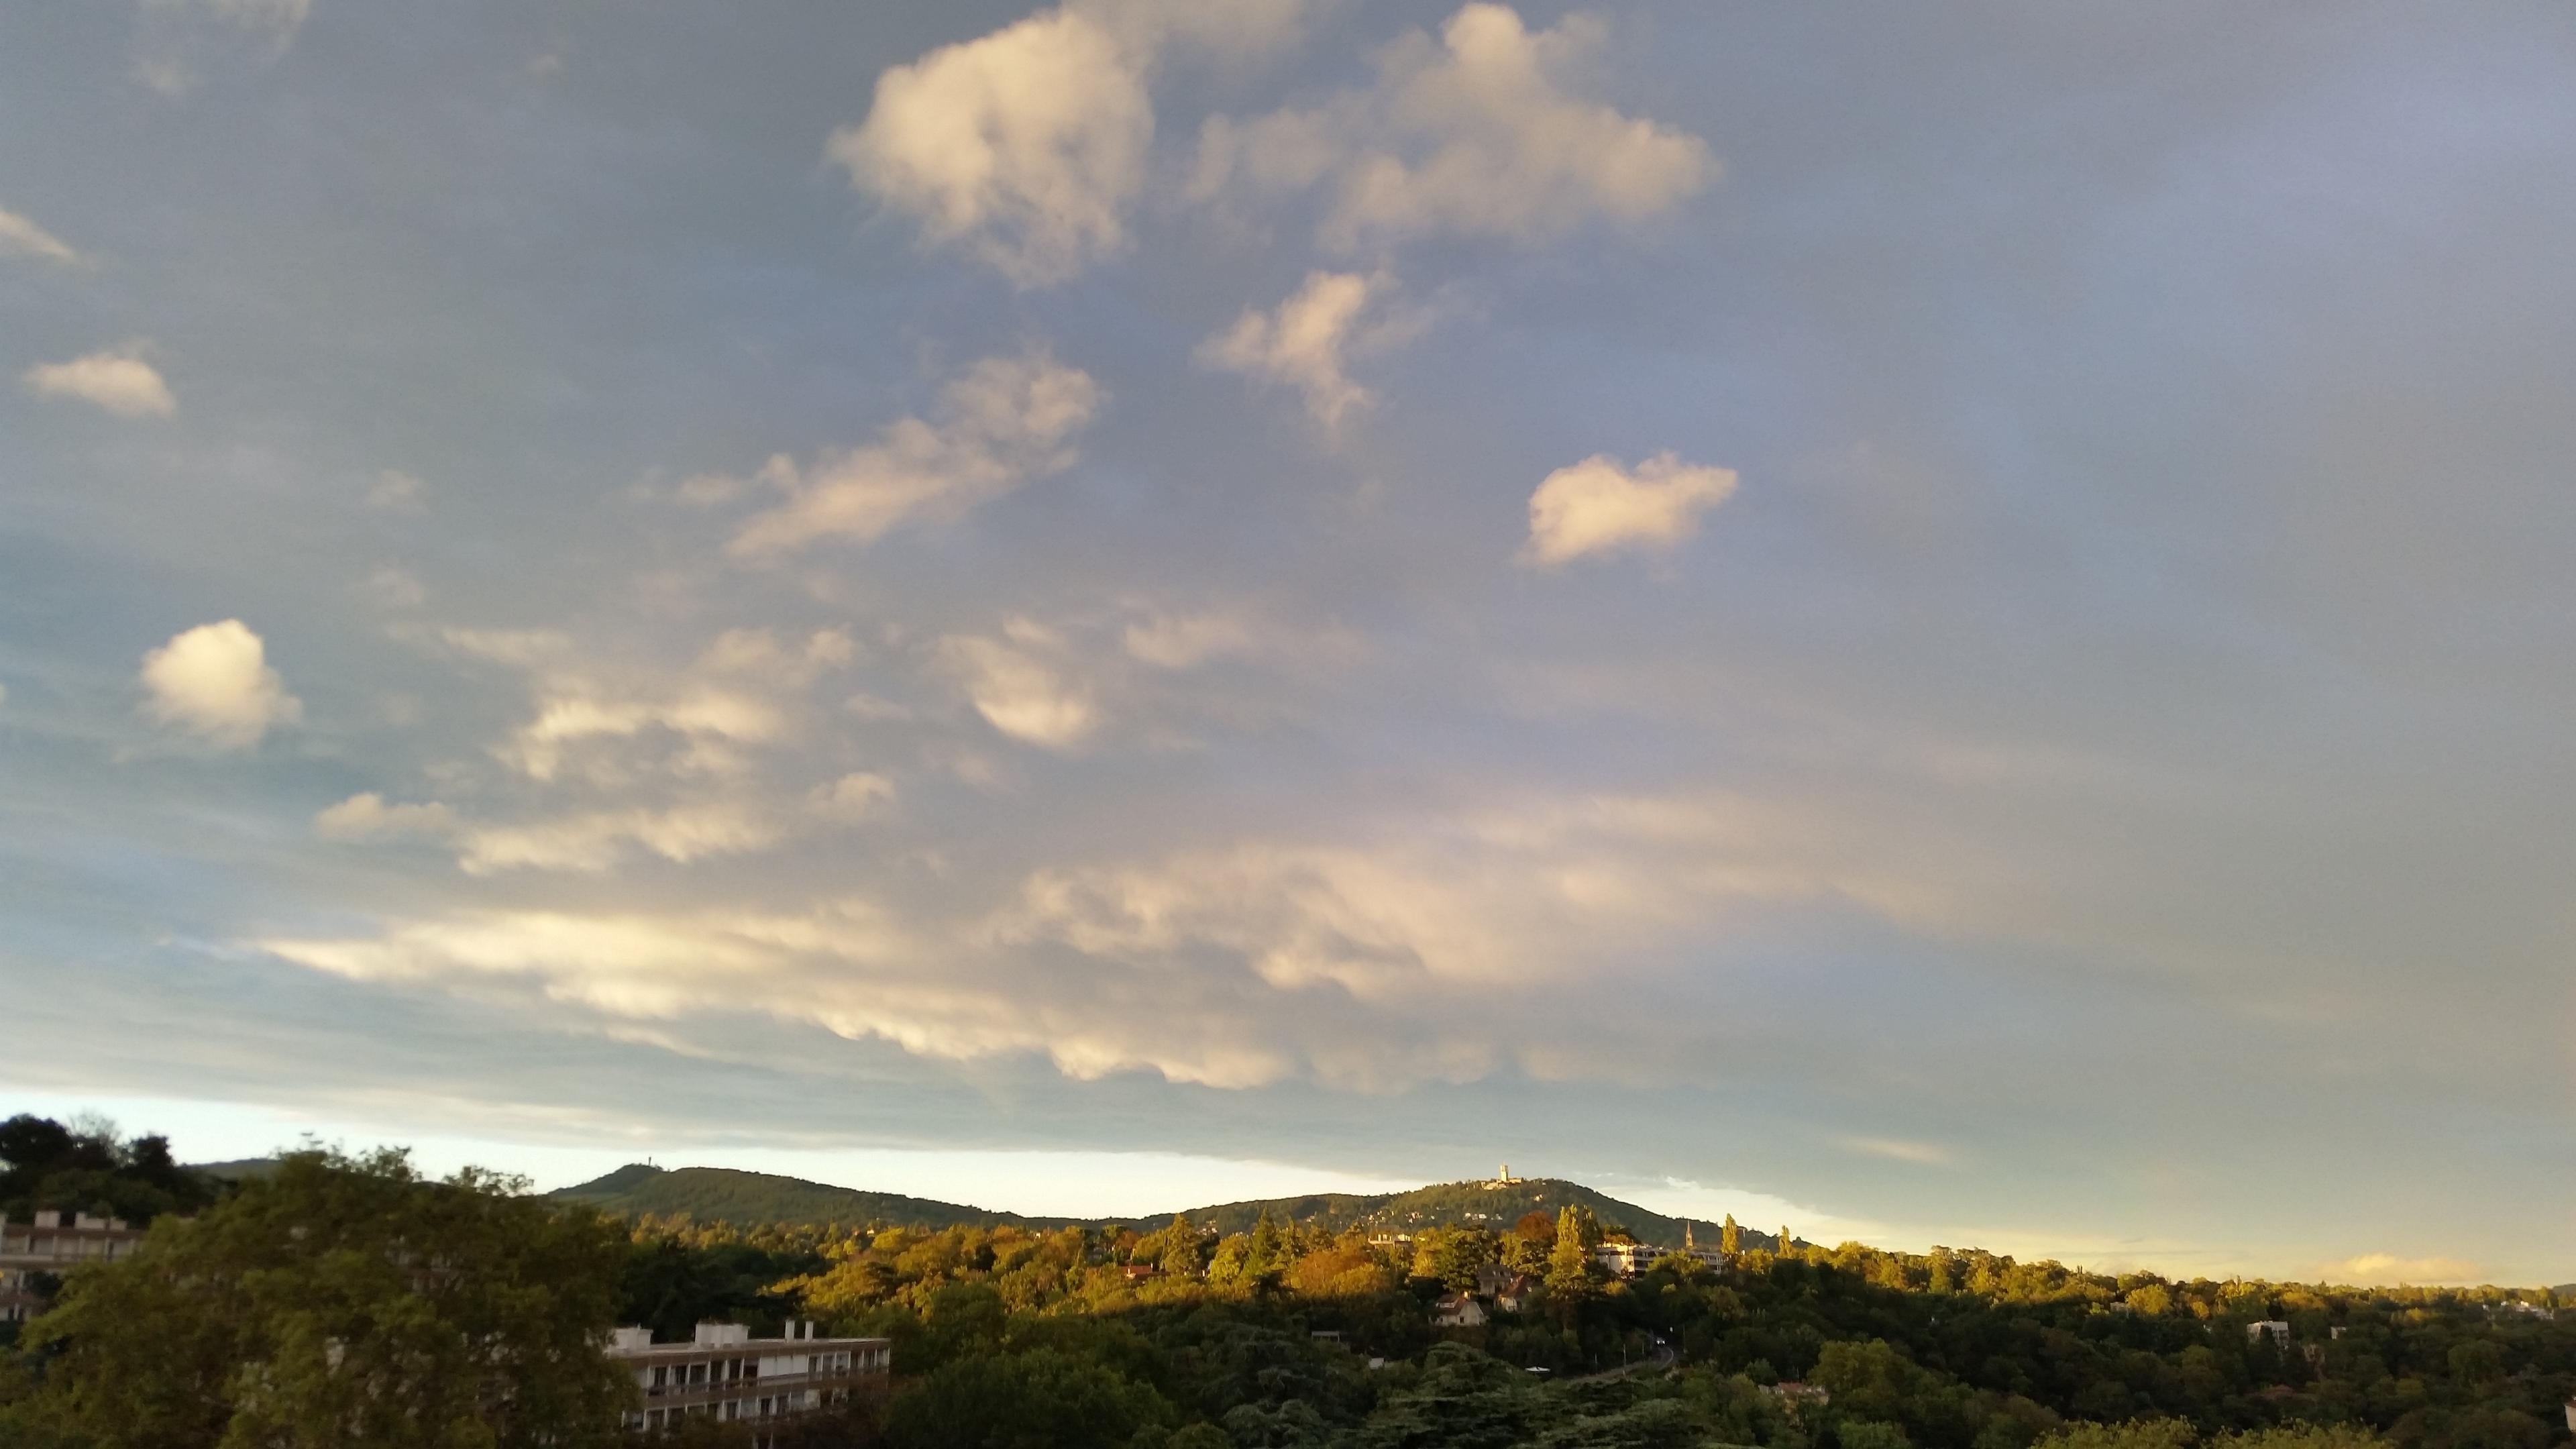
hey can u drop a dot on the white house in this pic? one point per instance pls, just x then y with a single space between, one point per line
1458 1310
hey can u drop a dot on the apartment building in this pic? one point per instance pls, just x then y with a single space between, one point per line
725 1374
55 1243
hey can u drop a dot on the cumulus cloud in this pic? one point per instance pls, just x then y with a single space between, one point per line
1600 506
1005 422
20 237
1026 147
214 682
368 817
1304 343
1480 133
119 381
1021 685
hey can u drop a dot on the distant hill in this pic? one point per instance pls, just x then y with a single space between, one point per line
1494 1205
238 1170
749 1199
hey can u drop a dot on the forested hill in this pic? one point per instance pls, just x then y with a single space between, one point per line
1472 1204
748 1199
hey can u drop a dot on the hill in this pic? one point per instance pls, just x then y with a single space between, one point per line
748 1199
1495 1205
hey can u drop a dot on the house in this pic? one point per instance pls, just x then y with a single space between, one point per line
1797 1395
1458 1310
54 1244
724 1375
2274 1329
1493 1278
1138 1272
1627 1259
1517 1295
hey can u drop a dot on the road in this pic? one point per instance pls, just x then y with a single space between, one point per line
1663 1359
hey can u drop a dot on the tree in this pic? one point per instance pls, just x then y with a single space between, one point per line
1046 1398
1784 1247
1730 1238
1268 1254
1569 1265
342 1301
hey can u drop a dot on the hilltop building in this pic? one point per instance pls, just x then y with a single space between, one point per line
726 1375
55 1243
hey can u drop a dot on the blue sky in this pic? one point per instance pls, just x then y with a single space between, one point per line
1946 621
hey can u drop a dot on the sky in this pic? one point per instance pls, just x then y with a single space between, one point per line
1946 624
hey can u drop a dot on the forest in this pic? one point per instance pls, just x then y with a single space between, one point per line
1284 1334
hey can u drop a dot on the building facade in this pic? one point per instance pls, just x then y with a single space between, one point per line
54 1244
725 1374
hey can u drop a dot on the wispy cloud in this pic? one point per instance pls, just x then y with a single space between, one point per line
20 237
1003 423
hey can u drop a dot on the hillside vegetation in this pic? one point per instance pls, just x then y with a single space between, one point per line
753 1199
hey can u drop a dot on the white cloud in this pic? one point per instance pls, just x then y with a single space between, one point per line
1303 342
1600 506
20 237
1021 687
593 843
1479 134
1023 146
368 817
758 654
2383 1269
1005 422
854 798
1026 146
1899 1149
120 381
1183 641
396 492
395 587
181 34
277 19
214 682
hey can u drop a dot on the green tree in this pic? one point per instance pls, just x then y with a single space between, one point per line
1046 1398
342 1301
1268 1253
